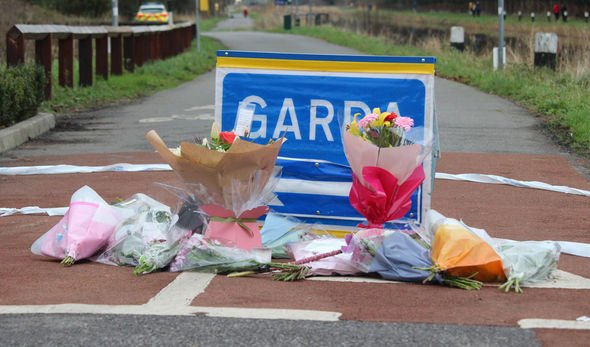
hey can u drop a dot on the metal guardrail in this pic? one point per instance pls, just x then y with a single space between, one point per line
131 46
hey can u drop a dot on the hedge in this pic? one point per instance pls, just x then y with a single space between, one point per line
21 92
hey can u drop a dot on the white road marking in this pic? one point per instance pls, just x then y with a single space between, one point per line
206 116
175 300
228 312
197 108
561 280
155 120
266 313
182 291
553 324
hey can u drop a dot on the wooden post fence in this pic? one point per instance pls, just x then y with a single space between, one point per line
131 47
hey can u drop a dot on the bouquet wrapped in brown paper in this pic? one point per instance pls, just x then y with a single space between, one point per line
234 186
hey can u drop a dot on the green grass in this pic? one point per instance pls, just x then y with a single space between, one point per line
146 80
561 100
446 19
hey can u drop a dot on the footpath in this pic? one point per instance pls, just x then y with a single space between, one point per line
42 302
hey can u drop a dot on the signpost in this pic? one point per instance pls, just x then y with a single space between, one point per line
308 99
115 5
197 20
501 57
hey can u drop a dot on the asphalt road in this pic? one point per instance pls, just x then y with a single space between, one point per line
470 121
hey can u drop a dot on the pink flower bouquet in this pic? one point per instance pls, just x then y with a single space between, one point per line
386 165
84 229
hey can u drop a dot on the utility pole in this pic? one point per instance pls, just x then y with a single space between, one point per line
501 58
115 13
197 20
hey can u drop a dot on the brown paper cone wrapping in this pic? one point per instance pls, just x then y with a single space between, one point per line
225 175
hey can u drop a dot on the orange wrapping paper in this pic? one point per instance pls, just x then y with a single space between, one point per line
462 253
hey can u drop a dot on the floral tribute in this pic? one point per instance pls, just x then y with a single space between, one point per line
231 177
386 165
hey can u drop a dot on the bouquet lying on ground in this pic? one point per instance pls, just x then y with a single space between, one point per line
398 256
232 178
84 229
464 250
151 237
129 240
527 262
385 154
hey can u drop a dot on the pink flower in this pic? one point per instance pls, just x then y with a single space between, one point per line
404 122
365 122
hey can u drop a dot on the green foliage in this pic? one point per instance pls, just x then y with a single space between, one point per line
559 98
21 92
90 8
146 80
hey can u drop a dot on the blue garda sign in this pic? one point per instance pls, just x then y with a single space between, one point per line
309 99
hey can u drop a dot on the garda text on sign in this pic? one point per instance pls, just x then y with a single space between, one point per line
309 98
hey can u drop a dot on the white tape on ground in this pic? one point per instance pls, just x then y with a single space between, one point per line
124 167
493 179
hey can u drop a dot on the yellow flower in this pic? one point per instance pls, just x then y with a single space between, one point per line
353 127
380 121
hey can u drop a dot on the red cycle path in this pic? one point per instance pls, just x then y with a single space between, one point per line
504 211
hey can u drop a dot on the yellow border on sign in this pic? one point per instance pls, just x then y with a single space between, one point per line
323 65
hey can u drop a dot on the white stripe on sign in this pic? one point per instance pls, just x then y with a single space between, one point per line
553 324
287 185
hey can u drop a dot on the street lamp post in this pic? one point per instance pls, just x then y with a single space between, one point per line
197 20
115 13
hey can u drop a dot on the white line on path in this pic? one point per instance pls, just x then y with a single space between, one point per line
553 324
197 108
561 280
175 300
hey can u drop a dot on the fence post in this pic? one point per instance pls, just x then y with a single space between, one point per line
15 47
102 57
116 55
129 52
43 57
138 50
458 38
85 60
546 50
147 46
66 61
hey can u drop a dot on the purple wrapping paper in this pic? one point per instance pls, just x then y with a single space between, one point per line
398 257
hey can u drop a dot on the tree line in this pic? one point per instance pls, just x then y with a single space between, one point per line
575 7
97 8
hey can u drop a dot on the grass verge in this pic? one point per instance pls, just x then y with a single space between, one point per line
560 99
146 80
